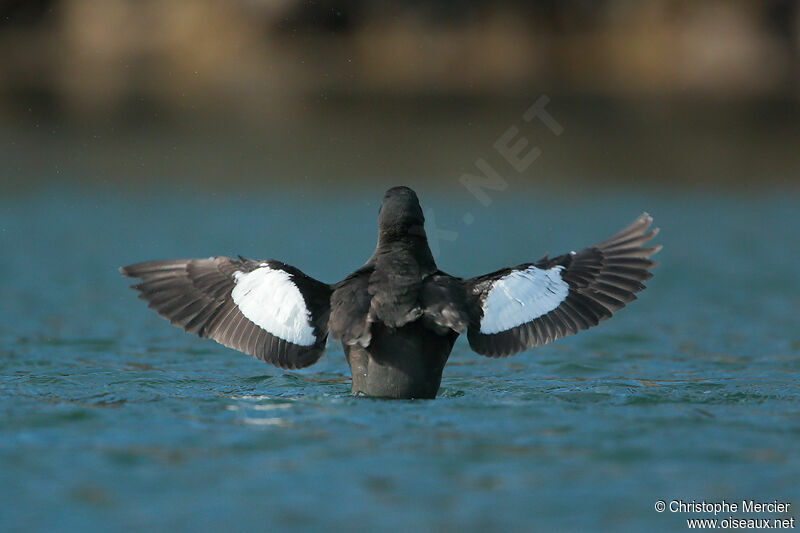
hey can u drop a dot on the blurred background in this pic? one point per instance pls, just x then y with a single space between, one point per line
143 129
289 92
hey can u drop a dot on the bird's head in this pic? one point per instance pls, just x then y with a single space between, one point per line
400 213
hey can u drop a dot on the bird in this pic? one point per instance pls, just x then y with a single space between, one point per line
398 316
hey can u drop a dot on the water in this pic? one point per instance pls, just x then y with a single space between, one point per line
114 420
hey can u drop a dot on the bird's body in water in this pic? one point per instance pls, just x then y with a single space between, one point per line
397 316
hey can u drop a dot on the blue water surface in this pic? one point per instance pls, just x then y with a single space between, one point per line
112 420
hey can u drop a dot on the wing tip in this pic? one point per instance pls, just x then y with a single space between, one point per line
631 239
145 268
132 270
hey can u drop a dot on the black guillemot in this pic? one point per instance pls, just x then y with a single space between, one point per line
397 316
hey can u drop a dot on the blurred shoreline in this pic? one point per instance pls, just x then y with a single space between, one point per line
252 93
90 58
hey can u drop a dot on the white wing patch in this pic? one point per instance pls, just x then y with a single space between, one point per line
269 299
522 296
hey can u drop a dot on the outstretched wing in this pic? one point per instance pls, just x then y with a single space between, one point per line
535 303
266 309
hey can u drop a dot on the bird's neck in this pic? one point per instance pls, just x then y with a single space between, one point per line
411 243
